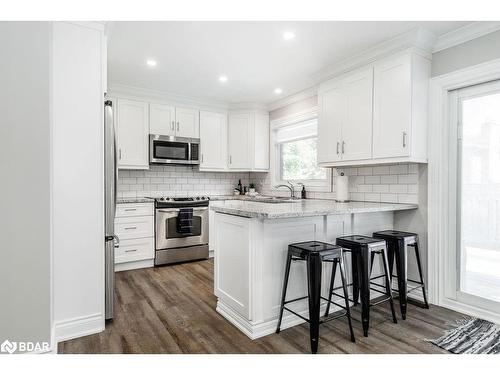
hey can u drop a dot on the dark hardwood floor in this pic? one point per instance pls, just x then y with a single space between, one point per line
172 310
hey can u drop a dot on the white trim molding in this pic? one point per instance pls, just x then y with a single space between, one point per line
78 327
464 34
297 97
441 231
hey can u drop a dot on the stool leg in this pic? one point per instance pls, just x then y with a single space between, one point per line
417 255
371 262
355 278
388 285
346 297
283 294
364 276
390 255
314 289
330 291
402 268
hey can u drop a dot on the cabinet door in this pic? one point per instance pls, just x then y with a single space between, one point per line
132 134
392 107
239 141
357 123
331 108
161 119
213 139
187 122
261 137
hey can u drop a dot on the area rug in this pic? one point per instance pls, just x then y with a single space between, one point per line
473 336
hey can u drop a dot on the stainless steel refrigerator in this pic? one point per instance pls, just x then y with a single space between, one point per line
110 177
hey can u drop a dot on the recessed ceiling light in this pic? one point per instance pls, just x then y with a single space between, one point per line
278 90
151 62
223 79
288 35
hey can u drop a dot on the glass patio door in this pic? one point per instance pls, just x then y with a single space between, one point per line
478 196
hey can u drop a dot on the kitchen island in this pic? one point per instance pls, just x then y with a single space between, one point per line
251 242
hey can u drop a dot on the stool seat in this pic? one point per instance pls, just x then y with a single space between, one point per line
396 235
303 249
357 240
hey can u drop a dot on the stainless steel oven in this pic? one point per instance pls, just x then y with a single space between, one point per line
173 246
173 150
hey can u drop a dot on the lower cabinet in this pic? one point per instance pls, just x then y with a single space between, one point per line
134 226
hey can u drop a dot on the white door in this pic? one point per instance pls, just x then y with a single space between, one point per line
239 142
213 139
161 119
357 124
476 281
187 122
392 107
331 113
132 134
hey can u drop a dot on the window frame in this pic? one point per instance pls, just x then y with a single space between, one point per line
275 152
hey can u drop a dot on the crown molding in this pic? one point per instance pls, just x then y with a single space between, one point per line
420 39
133 92
247 106
464 34
301 95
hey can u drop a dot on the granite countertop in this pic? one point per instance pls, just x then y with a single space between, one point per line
135 200
301 208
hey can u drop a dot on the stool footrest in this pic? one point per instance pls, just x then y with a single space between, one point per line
329 318
379 291
294 313
380 301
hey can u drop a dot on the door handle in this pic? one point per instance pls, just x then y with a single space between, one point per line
404 139
343 147
131 209
130 228
173 126
120 154
230 159
177 125
130 251
202 158
338 145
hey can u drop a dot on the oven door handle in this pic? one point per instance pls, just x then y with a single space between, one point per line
177 209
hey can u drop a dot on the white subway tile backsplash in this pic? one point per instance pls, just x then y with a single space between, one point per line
389 179
380 188
381 170
398 169
372 179
399 189
408 198
408 179
365 171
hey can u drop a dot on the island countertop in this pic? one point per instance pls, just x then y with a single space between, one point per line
303 208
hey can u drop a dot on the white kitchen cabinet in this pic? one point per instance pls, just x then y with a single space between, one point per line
248 141
177 121
134 226
187 122
345 118
162 119
400 107
376 114
132 128
213 140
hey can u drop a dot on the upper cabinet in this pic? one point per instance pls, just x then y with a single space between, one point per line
248 141
176 121
377 114
132 128
213 141
345 118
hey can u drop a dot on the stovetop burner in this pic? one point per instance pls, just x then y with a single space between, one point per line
182 201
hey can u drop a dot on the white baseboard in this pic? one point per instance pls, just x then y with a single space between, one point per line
82 326
260 329
134 265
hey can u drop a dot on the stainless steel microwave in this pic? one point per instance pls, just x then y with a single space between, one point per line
173 150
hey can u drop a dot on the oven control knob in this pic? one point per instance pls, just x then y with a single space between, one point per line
197 198
203 198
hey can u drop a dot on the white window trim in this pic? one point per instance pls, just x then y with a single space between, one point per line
309 114
442 204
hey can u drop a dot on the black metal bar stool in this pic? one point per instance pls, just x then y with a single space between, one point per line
362 249
314 253
397 243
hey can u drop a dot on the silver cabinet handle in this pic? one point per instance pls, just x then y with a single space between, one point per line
338 145
177 125
131 209
130 251
120 154
173 125
343 147
202 158
130 228
230 159
404 139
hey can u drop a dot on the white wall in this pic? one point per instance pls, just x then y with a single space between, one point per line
78 180
471 53
25 187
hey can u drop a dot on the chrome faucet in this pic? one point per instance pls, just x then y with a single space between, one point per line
289 186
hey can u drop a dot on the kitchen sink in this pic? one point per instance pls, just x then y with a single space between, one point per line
275 199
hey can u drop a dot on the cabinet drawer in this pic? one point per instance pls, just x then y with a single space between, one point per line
127 228
134 209
134 250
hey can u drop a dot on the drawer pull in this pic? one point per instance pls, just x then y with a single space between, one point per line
130 209
130 251
130 228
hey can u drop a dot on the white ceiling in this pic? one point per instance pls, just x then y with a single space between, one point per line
253 55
